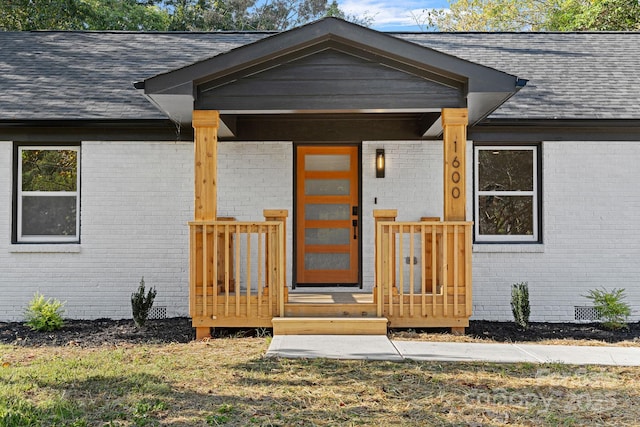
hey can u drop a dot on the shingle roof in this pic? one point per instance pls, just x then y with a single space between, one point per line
90 75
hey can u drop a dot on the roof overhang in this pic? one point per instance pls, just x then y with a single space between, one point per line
262 78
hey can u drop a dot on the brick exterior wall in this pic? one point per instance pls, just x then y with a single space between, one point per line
137 198
591 212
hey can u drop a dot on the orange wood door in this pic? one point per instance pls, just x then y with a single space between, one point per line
327 215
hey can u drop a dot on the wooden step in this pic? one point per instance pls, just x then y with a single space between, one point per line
330 310
329 326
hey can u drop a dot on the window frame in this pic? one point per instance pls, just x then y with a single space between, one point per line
535 193
18 237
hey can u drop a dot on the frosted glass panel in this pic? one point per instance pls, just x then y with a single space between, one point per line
326 187
327 162
326 261
327 236
327 212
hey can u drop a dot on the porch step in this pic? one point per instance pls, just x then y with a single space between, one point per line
329 326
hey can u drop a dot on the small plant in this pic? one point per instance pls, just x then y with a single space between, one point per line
612 311
141 304
44 314
520 304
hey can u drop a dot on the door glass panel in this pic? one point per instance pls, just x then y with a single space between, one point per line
326 187
327 236
327 162
314 261
327 211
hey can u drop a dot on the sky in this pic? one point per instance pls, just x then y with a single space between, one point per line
392 15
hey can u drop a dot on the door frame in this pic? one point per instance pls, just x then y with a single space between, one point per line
294 278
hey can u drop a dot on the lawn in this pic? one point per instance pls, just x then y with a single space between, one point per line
228 382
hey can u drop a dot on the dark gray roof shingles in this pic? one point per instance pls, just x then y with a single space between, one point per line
90 75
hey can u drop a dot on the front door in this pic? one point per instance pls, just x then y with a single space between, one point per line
327 215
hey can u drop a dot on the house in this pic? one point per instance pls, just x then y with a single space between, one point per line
424 173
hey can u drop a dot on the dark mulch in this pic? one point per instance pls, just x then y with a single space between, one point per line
91 333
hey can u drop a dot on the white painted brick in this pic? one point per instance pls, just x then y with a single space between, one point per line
137 198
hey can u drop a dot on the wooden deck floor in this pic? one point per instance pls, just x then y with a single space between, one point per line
308 297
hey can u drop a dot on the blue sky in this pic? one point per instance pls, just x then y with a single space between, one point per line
391 15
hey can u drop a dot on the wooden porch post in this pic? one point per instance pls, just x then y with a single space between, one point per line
205 125
454 124
383 215
278 215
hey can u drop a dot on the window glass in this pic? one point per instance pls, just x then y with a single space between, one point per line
506 194
47 194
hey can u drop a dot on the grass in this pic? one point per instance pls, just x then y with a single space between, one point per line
227 382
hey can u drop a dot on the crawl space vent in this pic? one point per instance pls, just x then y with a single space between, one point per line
159 312
586 314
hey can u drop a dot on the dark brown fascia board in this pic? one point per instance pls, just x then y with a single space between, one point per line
535 130
70 130
267 50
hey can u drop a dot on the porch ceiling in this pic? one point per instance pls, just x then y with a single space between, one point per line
335 75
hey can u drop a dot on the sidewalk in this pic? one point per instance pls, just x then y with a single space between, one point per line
379 347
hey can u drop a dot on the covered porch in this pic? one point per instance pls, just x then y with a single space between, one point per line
327 87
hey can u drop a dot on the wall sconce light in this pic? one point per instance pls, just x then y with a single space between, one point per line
380 163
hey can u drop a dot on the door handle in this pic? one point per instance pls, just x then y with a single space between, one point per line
355 229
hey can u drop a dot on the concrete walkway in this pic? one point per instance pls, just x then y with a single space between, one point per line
379 347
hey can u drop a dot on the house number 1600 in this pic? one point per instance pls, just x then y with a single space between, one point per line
455 176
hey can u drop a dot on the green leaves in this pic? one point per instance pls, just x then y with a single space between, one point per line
44 314
534 15
611 308
141 304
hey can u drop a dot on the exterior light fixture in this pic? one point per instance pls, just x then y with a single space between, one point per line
380 163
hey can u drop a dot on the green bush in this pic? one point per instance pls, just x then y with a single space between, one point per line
612 311
141 304
44 314
520 304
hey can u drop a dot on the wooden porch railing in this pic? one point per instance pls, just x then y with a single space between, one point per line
237 273
423 270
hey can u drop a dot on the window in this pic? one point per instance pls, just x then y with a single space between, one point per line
506 194
47 194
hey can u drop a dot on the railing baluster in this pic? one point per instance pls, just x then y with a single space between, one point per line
445 269
390 267
269 275
467 268
236 287
261 264
434 267
411 269
423 276
248 274
226 270
401 270
379 279
205 265
214 270
455 270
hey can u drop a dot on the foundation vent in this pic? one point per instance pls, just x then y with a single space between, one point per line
586 314
159 312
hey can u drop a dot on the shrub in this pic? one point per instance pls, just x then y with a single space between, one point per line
520 304
141 304
612 311
44 314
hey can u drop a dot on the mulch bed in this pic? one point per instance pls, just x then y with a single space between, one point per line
91 333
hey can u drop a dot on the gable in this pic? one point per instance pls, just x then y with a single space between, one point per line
271 76
329 80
